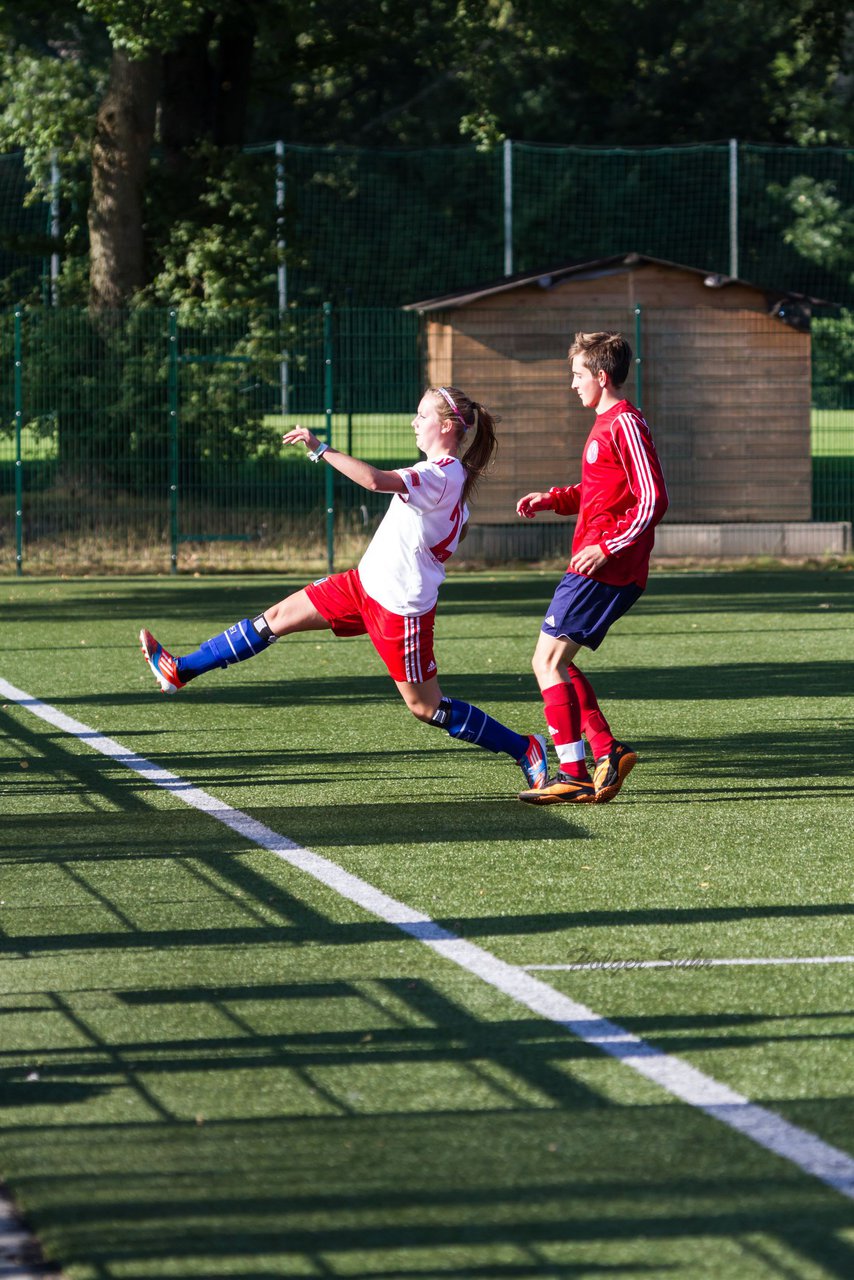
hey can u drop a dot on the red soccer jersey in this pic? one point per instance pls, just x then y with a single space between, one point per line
621 497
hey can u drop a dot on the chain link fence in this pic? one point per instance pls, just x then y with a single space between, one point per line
151 441
366 227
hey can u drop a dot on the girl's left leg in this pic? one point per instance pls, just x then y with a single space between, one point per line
245 639
462 720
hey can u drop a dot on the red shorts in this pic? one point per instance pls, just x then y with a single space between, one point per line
404 644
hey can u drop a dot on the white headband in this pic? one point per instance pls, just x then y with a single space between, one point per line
449 400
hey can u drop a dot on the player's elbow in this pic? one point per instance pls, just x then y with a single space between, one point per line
383 482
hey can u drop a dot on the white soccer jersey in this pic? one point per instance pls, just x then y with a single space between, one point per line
404 566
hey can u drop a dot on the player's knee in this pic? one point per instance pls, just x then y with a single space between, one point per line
541 666
273 616
288 614
422 708
547 670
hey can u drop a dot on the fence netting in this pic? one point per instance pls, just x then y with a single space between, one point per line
144 438
366 227
395 227
152 440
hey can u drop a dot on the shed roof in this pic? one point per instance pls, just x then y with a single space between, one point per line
794 308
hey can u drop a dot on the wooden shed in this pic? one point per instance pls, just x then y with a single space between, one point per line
722 374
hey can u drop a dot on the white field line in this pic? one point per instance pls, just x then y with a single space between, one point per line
686 962
809 1153
20 1256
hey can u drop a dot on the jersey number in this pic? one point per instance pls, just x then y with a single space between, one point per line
442 551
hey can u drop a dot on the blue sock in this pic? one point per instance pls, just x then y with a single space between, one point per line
238 643
469 723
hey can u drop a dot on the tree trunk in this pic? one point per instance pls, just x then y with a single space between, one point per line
124 132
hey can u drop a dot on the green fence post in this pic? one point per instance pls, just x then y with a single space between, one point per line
638 359
19 461
173 438
327 409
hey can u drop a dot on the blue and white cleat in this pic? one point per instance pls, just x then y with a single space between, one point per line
534 763
164 668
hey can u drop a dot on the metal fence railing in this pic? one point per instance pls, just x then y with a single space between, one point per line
387 227
151 441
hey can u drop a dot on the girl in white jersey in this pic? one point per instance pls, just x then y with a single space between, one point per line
392 594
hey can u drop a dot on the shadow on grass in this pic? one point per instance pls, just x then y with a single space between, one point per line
726 681
482 1222
538 1165
816 753
144 602
197 861
419 1140
399 1133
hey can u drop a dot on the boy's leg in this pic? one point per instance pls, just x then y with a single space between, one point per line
614 760
572 784
245 639
581 612
594 726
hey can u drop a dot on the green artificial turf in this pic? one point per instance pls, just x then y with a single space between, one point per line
212 1065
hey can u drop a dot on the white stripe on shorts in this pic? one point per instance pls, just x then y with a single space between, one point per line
412 650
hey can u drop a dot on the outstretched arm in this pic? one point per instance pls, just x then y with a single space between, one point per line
361 473
528 506
563 499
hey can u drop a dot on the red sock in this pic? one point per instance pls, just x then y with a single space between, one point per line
594 726
563 717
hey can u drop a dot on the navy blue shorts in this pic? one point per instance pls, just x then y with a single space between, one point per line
583 609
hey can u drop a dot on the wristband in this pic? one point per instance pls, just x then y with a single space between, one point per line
316 454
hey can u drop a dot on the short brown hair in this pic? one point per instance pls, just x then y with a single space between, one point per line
604 352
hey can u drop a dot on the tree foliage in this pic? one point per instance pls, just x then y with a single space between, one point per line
147 103
822 229
148 106
139 28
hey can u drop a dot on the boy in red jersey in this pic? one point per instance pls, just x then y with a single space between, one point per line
620 500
